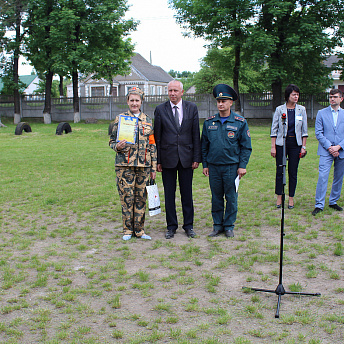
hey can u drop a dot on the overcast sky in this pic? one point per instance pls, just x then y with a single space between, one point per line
159 36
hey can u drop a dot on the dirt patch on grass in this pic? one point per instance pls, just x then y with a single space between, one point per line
68 279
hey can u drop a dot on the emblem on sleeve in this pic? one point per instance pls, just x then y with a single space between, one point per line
248 133
238 118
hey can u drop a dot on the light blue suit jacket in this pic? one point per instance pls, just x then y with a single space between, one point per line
327 134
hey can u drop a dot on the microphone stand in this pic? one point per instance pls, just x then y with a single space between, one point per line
279 291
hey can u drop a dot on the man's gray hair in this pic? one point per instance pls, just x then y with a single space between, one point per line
181 84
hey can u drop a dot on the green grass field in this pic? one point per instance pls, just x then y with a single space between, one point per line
66 275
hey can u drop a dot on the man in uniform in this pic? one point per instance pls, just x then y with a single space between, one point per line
226 149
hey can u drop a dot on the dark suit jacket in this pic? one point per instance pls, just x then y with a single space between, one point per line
173 144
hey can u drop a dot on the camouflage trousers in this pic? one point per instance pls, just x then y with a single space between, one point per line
131 185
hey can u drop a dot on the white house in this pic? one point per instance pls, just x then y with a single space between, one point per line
151 79
336 75
31 83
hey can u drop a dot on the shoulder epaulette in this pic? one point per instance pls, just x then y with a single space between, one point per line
211 117
239 118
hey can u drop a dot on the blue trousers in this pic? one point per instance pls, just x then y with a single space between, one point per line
222 186
325 163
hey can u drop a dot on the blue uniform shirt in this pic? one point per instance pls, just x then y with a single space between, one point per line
227 143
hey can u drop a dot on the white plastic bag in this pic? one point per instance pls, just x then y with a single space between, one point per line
153 198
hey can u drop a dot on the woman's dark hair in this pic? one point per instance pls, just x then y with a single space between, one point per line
289 89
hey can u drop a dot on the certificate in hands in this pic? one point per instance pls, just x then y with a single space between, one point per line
127 129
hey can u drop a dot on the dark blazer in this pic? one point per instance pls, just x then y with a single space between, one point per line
175 144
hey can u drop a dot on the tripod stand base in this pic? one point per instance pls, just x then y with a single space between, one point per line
279 291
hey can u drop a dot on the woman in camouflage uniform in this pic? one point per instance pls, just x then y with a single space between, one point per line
134 164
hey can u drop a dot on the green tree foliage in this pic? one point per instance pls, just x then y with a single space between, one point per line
186 77
217 67
42 46
69 37
280 42
293 38
55 91
11 14
112 49
187 81
9 86
176 74
223 22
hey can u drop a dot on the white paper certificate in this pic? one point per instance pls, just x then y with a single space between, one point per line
237 182
127 129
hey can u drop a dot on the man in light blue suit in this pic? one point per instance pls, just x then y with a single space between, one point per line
329 131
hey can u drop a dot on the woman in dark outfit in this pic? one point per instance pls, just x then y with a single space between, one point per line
296 126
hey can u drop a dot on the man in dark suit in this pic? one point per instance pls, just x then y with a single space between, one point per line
177 137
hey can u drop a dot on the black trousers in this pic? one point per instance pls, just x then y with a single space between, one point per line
293 154
169 179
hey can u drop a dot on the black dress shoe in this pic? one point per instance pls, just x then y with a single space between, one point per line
290 206
316 211
190 233
215 233
170 233
278 206
336 207
229 233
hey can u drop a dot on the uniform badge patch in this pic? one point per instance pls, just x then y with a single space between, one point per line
248 133
242 119
231 134
212 127
232 128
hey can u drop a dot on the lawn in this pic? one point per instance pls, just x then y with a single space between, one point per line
66 275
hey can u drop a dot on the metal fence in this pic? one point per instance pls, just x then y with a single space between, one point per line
253 105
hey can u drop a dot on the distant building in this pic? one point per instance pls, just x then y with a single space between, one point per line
335 74
191 90
31 83
151 79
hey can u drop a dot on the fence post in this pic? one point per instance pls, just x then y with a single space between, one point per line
110 106
80 108
21 107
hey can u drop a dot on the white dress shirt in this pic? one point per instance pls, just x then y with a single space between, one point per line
180 110
335 116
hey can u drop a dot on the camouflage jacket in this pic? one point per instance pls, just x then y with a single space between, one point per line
141 154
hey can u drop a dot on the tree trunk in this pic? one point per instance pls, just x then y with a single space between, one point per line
276 87
61 86
111 87
236 71
47 102
75 97
16 94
